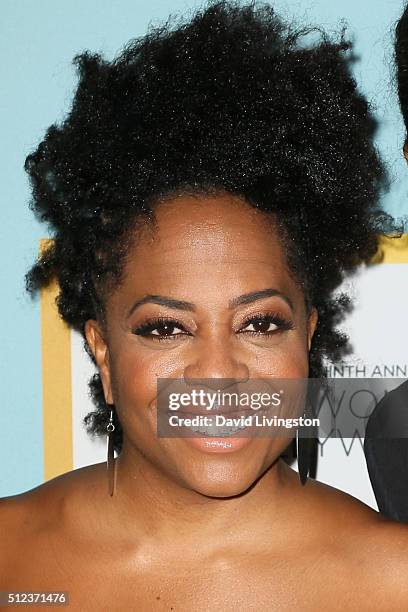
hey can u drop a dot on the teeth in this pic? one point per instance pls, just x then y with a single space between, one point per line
218 443
215 431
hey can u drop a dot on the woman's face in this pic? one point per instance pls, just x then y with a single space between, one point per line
207 265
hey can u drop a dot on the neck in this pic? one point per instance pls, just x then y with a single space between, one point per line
151 507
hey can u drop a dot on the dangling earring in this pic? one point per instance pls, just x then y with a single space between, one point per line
110 461
303 457
305 444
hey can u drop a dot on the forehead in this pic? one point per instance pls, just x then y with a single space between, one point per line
208 229
206 245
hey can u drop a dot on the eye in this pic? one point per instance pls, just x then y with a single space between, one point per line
266 324
161 329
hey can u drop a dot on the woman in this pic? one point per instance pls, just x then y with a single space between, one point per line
207 192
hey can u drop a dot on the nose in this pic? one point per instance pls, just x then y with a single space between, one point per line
218 362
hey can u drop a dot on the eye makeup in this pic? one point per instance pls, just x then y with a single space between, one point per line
261 323
168 328
164 325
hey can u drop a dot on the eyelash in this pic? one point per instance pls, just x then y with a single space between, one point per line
146 328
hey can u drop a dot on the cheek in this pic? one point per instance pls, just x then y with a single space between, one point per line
134 389
288 358
293 364
134 375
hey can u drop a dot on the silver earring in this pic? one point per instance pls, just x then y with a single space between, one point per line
110 460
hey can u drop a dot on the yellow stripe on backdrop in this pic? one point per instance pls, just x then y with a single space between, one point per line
56 367
56 383
392 250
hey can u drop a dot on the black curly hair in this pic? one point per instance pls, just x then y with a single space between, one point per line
232 100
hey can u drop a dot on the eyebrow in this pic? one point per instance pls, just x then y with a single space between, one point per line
163 300
247 298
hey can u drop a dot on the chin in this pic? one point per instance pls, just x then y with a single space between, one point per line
221 489
221 484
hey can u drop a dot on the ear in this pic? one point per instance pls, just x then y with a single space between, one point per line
405 150
98 345
311 326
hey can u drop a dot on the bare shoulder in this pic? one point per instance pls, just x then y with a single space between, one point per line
29 520
348 516
327 507
372 551
380 558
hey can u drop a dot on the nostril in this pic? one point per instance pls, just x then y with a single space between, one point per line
222 368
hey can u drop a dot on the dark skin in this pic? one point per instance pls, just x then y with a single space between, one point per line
186 529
